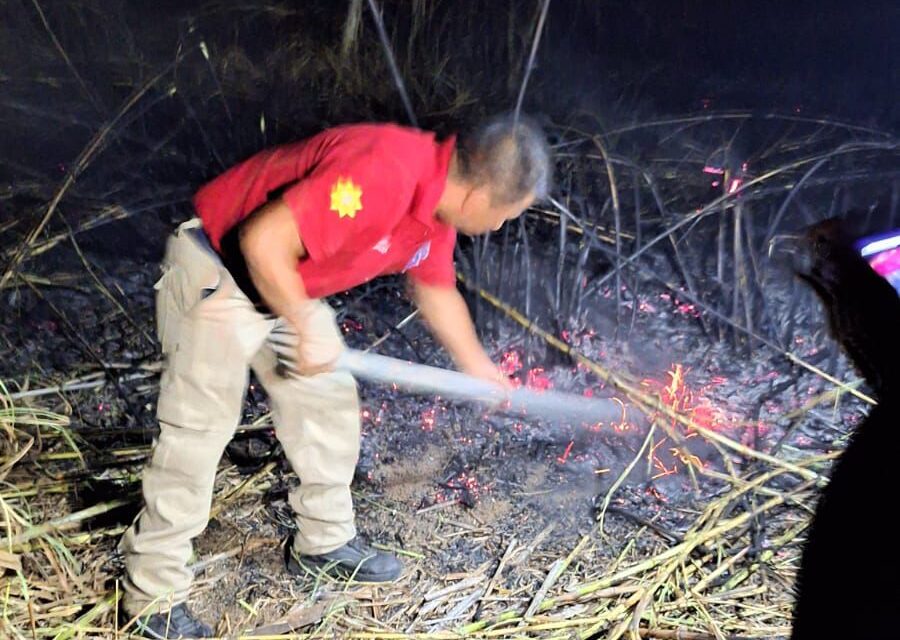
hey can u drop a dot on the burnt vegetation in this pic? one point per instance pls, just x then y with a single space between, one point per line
652 276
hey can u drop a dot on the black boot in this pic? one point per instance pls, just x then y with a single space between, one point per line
355 560
176 623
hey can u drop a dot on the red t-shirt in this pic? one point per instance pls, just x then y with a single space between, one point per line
363 197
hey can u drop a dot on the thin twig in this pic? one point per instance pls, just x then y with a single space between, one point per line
392 63
535 43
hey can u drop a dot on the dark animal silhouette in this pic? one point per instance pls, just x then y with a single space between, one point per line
848 586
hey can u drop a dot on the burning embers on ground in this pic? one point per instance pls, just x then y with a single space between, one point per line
585 449
695 405
673 391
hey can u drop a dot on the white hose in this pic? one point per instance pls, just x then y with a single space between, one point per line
420 378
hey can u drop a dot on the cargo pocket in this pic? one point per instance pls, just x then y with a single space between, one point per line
205 377
166 312
178 291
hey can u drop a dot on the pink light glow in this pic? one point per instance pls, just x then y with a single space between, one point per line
886 262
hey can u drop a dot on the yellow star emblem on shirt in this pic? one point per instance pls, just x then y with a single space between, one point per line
346 198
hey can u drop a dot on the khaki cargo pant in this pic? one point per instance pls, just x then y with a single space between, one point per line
212 336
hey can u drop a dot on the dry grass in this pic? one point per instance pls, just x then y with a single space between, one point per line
713 581
629 196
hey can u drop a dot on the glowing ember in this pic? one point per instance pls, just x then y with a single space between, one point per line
428 419
687 457
511 363
663 470
676 394
692 403
623 424
469 482
537 380
684 308
657 463
562 459
687 309
372 416
680 398
465 488
349 324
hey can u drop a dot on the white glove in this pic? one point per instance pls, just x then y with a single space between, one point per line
310 342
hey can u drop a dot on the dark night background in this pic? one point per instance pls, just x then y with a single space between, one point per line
727 124
837 58
820 57
616 61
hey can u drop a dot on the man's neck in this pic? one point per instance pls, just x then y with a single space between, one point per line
454 194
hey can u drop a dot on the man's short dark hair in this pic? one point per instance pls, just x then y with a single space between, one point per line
511 155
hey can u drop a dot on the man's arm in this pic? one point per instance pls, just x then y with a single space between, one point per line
447 315
271 245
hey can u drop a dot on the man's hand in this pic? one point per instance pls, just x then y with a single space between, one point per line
487 370
490 372
319 343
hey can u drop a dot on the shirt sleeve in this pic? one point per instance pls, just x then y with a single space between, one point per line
358 196
437 269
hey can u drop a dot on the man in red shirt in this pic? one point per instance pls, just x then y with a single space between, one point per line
242 288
